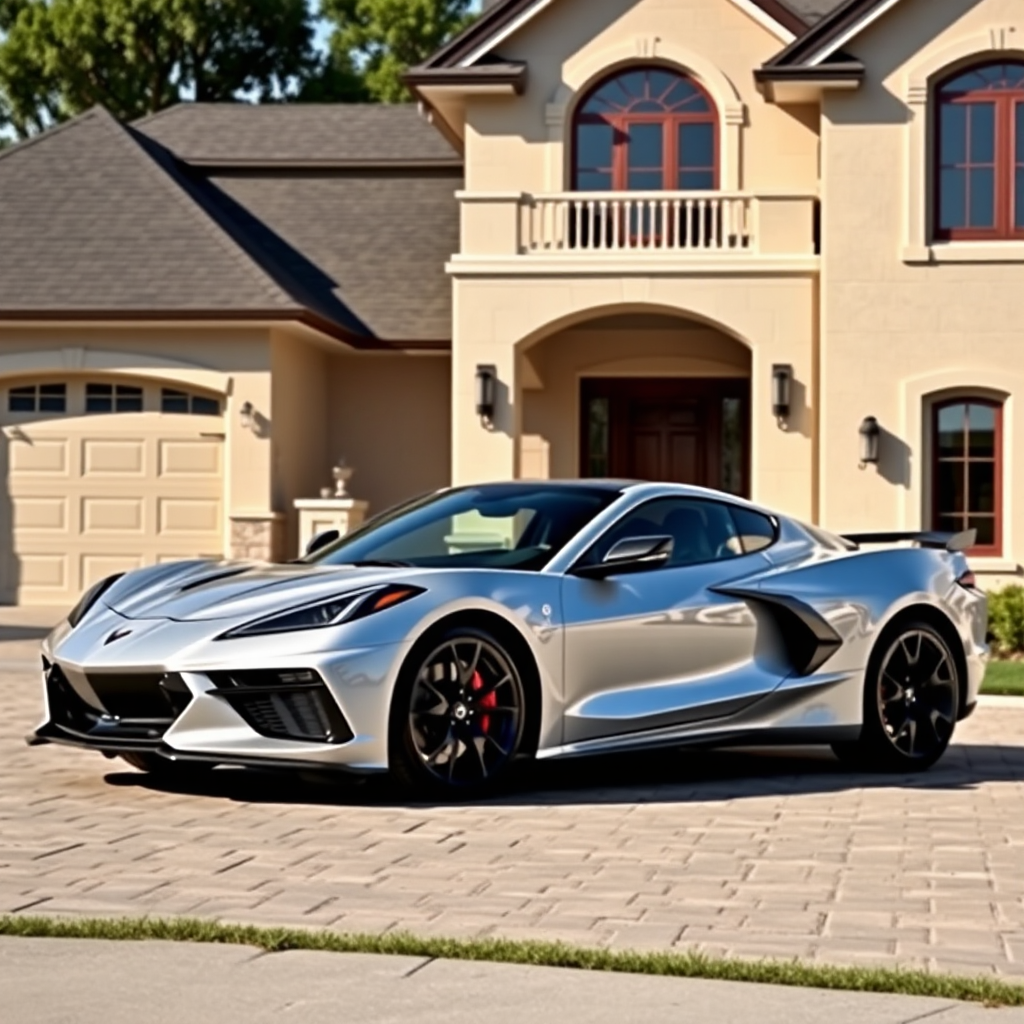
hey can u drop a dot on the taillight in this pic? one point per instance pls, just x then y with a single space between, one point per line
967 579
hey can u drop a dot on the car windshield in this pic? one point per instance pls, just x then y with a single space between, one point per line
491 526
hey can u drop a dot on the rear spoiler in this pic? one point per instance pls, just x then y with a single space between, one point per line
950 541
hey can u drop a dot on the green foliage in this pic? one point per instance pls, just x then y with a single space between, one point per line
60 57
1004 679
1006 620
382 38
982 988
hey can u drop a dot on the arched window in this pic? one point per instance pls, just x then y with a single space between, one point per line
980 158
644 129
967 470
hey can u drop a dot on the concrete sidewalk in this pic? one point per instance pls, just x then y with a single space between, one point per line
53 981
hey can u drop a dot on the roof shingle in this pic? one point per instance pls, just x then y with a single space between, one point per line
363 248
338 133
90 221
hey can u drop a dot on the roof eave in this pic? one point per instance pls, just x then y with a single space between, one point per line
228 318
803 84
486 79
497 21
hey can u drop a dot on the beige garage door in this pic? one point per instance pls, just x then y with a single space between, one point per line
100 476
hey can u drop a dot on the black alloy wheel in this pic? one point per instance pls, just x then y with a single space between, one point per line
459 715
911 702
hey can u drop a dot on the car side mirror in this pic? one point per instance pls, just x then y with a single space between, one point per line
632 554
321 540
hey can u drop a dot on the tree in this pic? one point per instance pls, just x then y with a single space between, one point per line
136 57
382 38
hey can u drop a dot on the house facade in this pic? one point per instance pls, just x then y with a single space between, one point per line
774 248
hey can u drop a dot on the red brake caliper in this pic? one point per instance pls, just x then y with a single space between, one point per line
490 701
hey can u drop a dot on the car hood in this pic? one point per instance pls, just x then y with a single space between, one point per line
196 591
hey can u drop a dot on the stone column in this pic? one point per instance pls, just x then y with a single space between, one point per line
317 515
258 537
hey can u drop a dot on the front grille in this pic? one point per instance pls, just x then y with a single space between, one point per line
149 695
128 707
287 704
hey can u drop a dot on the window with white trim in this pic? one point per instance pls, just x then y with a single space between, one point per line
188 403
103 398
38 398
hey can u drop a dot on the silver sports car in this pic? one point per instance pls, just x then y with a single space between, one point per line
463 631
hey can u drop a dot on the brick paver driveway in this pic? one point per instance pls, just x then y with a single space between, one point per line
733 853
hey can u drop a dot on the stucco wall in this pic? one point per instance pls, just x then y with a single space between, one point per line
298 442
389 417
499 318
901 325
520 143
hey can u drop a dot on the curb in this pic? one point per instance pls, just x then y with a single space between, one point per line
1001 701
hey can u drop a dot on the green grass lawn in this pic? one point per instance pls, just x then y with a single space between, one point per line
1004 677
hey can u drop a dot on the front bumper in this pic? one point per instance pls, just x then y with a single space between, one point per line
323 711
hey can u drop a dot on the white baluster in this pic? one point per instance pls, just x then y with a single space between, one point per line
616 224
701 206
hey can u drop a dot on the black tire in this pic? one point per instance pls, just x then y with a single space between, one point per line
154 764
458 716
911 702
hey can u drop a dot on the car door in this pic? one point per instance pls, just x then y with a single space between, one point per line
660 649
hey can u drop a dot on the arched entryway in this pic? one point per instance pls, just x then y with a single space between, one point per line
639 395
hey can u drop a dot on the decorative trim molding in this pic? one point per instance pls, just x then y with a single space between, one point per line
917 186
917 393
964 252
126 364
670 265
591 65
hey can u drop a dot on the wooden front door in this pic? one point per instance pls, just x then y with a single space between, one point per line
678 430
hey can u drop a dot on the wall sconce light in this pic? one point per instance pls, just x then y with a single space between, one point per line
782 389
870 433
486 382
246 415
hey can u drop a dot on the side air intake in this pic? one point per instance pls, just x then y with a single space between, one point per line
810 641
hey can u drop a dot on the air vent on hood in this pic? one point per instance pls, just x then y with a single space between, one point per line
203 580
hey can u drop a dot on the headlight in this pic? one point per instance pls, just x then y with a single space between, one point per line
330 612
89 598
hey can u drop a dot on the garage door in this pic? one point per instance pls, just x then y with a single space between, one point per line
100 476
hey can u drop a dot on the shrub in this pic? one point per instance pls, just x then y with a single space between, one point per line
1006 620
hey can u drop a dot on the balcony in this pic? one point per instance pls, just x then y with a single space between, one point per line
570 232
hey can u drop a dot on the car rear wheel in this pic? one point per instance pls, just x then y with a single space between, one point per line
458 716
911 702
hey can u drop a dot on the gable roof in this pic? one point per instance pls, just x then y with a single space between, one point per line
91 220
313 134
502 17
99 220
822 45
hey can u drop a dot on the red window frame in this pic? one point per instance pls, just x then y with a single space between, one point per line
670 121
1004 161
939 516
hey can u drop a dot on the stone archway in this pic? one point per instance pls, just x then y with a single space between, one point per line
637 394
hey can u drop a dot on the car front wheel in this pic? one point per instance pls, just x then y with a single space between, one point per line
458 715
911 702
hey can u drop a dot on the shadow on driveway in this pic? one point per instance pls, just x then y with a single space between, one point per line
13 634
656 777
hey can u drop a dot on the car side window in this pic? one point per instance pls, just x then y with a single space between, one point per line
701 531
756 531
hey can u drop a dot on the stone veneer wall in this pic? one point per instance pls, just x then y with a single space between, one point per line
259 538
